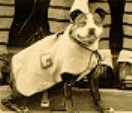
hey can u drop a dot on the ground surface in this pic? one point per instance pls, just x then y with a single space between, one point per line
120 100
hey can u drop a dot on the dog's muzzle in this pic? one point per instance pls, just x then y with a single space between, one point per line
84 42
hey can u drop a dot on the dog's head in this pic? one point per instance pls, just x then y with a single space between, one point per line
87 28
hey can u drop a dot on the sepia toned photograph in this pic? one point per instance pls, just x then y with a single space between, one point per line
65 56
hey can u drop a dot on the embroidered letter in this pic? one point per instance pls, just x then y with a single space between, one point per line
45 61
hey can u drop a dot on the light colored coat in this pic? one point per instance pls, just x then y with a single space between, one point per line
41 65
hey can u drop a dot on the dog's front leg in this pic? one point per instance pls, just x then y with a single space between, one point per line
94 88
68 96
68 80
45 100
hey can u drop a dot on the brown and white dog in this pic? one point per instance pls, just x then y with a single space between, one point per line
66 57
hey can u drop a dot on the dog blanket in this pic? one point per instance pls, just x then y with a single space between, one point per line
41 65
106 57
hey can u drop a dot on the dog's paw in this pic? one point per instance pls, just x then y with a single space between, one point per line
24 110
45 103
108 110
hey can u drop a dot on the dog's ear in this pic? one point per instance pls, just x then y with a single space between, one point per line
101 12
75 14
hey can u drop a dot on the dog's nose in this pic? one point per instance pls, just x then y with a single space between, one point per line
91 31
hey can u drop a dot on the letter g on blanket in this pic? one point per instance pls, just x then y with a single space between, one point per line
45 61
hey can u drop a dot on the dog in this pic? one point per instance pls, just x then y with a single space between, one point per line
67 56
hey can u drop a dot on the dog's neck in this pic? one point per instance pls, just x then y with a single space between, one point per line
92 47
95 45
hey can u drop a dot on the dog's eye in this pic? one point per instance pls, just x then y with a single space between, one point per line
82 23
81 20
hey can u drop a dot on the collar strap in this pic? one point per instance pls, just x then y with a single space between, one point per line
80 43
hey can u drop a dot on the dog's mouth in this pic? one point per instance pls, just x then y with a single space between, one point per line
90 39
84 41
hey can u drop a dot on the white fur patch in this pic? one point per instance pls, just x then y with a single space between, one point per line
81 30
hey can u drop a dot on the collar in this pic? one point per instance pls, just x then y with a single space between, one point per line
93 47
